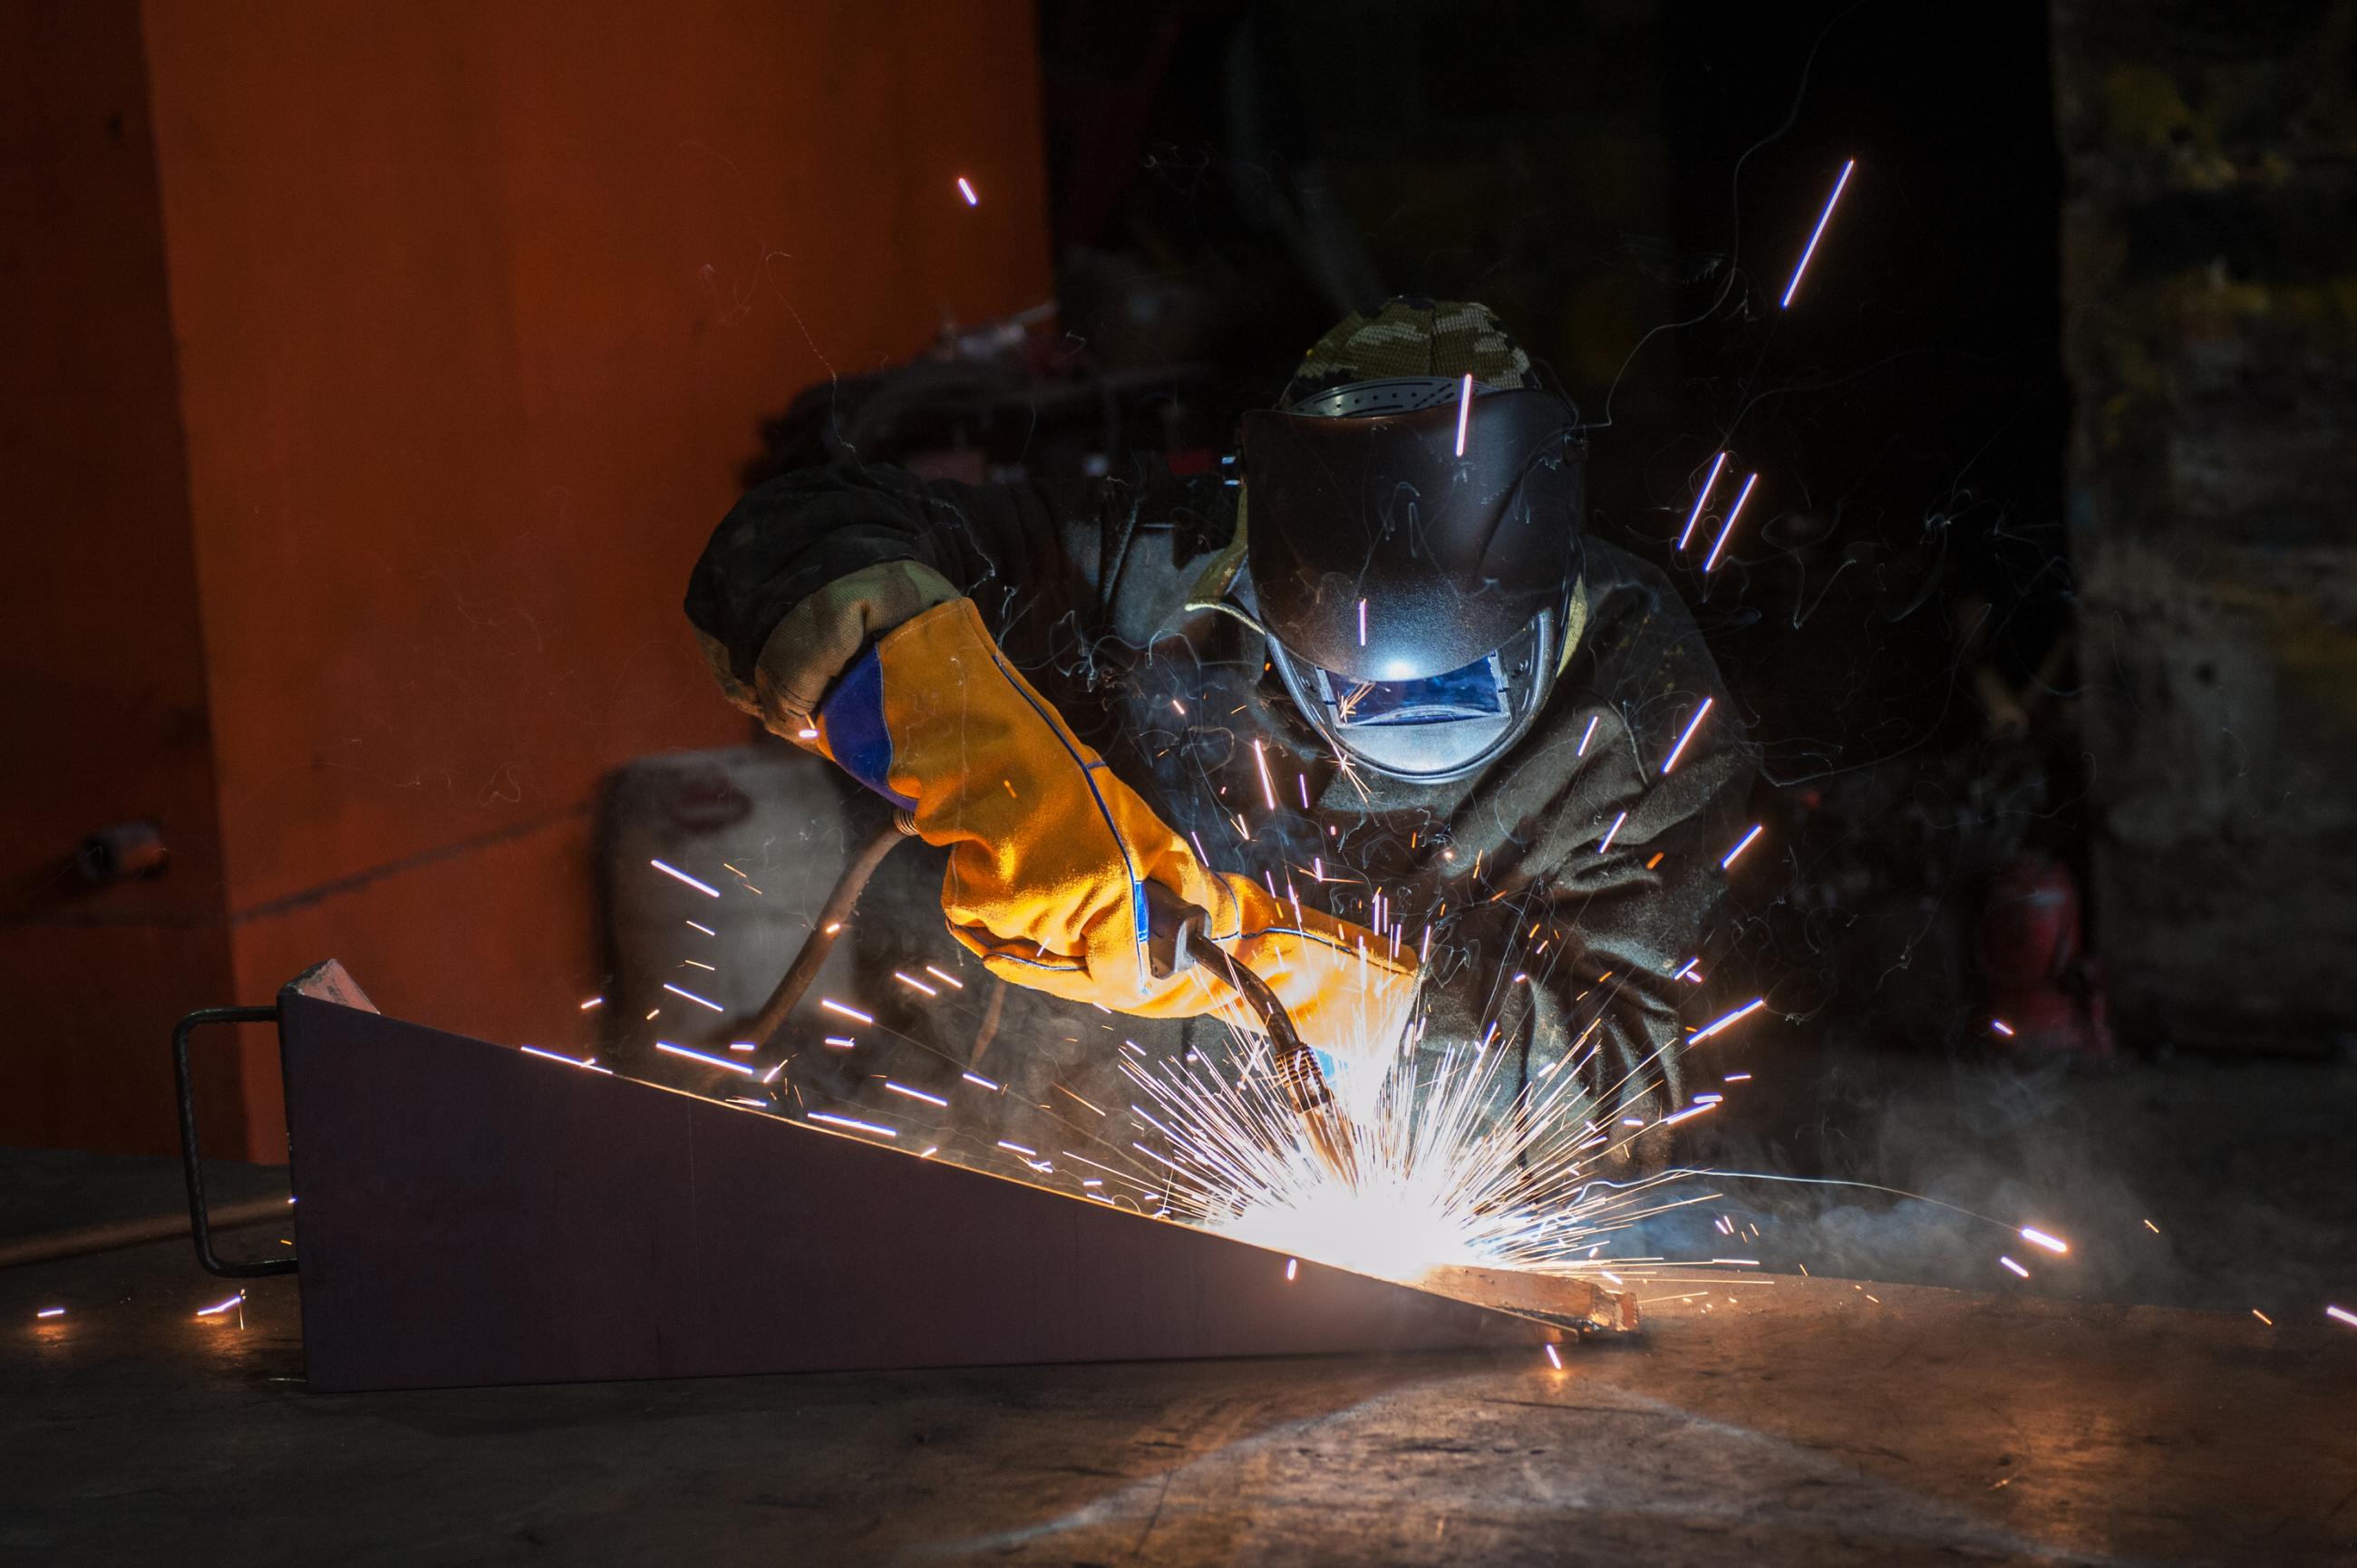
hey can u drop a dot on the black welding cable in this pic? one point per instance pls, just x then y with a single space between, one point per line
832 917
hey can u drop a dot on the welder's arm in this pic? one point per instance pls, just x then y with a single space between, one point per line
1627 918
1050 853
834 604
809 569
1578 963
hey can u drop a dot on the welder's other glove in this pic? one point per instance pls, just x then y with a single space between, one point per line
1049 851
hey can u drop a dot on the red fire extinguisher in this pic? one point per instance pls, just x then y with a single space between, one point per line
2046 992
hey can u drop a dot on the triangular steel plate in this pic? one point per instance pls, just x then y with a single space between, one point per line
467 1213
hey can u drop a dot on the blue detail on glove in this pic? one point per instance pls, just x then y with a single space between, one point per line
856 733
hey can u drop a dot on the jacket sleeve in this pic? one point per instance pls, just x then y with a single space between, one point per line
811 566
1579 954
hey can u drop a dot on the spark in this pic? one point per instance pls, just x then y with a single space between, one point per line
2151 1226
1464 412
1695 516
2009 1263
1027 1153
832 1005
1736 1077
977 1078
676 873
854 1123
1267 789
1739 848
221 1306
699 1056
771 1075
1609 831
569 1062
916 1094
1815 235
707 930
832 927
2263 1317
50 1312
1687 970
2342 1313
1741 1013
841 1042
695 963
1292 1268
741 1046
1592 720
952 980
965 188
593 1002
2038 1237
1693 724
1688 1114
1555 1358
2002 1027
692 996
915 985
1733 512
1736 1262
1438 1178
1362 623
805 735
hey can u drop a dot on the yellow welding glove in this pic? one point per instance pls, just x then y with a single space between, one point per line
1049 853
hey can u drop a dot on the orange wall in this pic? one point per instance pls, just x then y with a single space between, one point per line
102 670
476 308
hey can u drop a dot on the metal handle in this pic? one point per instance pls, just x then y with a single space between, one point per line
1175 931
200 1224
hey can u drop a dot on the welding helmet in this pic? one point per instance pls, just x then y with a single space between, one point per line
1413 541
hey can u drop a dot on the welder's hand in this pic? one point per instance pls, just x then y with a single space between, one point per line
1049 851
1347 989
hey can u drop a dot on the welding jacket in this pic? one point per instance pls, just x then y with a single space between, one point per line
1558 894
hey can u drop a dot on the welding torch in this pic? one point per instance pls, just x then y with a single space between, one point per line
1178 938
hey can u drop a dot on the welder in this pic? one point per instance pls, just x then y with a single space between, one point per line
1371 697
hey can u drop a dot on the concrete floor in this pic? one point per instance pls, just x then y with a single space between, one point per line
1794 1421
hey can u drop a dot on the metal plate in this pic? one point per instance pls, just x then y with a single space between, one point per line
468 1214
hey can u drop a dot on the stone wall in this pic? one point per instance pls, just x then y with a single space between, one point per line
2210 291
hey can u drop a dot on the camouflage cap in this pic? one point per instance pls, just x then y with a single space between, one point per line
1408 337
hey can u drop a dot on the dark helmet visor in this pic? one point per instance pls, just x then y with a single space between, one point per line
1384 549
